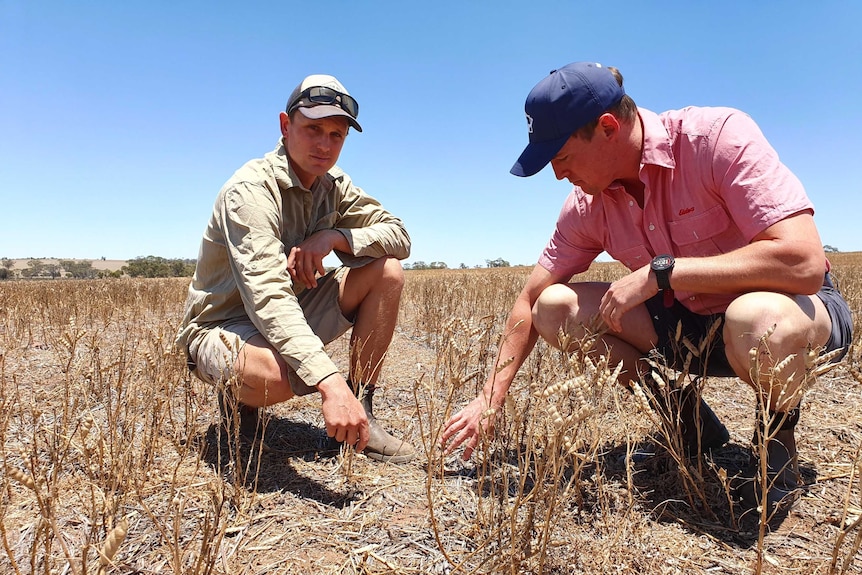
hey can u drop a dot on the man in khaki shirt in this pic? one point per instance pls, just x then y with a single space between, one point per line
261 307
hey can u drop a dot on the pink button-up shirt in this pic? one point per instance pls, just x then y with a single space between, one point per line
712 183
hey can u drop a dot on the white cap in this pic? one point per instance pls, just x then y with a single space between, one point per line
349 108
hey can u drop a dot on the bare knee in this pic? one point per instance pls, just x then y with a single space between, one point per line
384 274
379 282
772 325
754 316
263 375
392 273
556 311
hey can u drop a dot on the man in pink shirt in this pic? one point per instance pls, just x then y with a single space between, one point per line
713 227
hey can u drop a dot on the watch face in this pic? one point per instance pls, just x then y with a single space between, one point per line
662 262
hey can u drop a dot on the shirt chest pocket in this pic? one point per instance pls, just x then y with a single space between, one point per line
297 231
706 234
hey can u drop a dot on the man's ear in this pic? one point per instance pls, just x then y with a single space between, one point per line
609 125
284 121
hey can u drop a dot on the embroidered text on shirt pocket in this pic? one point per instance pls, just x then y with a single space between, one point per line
699 235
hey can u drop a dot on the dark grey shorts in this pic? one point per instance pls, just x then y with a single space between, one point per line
714 361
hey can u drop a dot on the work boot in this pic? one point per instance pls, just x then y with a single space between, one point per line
679 408
713 433
381 445
782 465
249 417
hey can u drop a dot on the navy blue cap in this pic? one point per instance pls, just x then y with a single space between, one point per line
562 103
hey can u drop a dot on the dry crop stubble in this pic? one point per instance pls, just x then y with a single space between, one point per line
103 427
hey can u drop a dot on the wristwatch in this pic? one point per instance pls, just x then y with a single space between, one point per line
662 266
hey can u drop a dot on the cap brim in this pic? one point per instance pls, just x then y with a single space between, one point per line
536 156
324 111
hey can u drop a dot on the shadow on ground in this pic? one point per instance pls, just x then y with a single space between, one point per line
280 457
706 505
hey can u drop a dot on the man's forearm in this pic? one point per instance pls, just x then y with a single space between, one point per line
749 268
786 257
339 241
518 341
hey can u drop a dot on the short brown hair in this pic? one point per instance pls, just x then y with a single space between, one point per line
625 110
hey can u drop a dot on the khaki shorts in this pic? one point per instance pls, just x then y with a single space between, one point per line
214 351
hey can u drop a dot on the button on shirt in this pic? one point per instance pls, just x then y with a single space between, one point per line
260 214
711 183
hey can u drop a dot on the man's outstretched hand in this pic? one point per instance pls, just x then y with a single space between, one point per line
468 425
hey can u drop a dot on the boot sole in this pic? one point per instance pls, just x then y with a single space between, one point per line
389 458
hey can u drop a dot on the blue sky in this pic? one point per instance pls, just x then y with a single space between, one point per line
120 121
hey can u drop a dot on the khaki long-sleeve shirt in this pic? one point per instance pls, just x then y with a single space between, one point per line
260 214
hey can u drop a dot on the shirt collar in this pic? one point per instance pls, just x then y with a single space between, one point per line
657 147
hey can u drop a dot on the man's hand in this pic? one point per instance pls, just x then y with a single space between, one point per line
625 294
468 425
306 260
343 415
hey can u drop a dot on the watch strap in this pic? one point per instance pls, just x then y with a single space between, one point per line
663 279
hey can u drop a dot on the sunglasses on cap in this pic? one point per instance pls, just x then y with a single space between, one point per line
324 95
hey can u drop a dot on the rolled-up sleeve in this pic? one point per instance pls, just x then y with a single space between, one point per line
371 231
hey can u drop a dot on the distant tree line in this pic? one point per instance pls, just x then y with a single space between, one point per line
80 269
6 269
144 266
497 263
421 265
157 267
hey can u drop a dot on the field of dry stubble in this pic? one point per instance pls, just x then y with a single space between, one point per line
113 460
